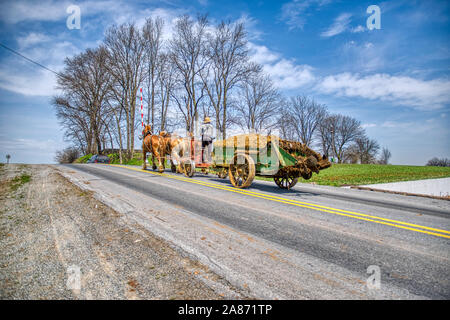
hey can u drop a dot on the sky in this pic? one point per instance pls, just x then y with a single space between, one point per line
395 79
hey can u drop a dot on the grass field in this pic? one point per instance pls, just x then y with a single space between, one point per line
359 174
341 174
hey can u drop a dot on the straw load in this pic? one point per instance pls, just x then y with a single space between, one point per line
308 161
245 141
258 141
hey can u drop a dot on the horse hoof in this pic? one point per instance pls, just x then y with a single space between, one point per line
154 167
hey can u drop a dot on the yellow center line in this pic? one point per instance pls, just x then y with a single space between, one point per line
351 214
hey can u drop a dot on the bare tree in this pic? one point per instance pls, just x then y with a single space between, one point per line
126 64
68 155
152 35
259 103
186 53
227 54
366 149
85 85
116 109
436 162
167 80
351 154
306 116
325 135
337 132
385 156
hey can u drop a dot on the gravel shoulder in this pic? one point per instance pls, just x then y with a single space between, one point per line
50 229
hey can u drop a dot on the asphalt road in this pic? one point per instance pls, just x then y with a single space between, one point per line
311 242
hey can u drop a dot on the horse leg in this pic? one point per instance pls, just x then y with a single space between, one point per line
144 156
164 160
161 163
153 161
176 159
173 167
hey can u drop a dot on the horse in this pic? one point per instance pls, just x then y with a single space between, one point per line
175 147
178 148
170 141
155 144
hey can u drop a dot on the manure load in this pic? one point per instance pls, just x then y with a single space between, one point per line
242 157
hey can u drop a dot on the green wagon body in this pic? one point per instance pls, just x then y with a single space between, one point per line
267 157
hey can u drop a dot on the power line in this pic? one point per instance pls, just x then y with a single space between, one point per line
30 60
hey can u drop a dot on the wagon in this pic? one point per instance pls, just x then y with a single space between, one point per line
243 157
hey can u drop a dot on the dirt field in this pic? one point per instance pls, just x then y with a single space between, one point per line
50 229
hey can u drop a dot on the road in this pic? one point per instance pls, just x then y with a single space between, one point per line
310 242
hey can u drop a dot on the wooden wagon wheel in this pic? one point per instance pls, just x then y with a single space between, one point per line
242 171
285 181
222 174
188 168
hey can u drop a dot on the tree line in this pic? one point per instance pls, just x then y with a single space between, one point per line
201 70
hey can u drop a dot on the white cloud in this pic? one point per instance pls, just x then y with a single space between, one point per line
339 25
51 10
358 29
39 83
262 54
31 39
285 73
21 76
397 124
293 13
400 90
18 11
364 56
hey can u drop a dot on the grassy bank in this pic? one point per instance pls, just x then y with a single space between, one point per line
339 174
360 174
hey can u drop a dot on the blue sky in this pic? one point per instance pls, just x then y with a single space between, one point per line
395 80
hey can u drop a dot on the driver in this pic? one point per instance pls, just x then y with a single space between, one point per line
206 131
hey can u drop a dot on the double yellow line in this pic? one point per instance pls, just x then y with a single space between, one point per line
346 213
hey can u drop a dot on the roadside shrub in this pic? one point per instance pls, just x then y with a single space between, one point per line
84 159
114 157
436 162
68 155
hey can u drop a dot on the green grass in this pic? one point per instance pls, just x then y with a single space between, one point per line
343 174
83 159
136 160
19 181
359 174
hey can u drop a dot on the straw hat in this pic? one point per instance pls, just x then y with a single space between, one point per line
207 120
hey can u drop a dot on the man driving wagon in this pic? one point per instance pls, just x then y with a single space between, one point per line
206 131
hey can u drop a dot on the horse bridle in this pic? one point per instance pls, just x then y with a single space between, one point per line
147 133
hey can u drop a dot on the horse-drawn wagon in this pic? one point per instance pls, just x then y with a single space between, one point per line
245 156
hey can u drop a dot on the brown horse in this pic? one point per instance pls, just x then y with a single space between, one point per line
155 144
172 143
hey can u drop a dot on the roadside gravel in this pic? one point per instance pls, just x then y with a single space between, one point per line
49 228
